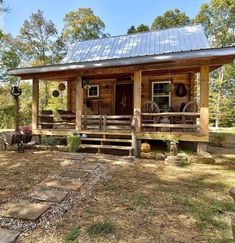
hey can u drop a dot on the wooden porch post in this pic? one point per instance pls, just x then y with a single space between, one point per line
79 103
35 103
137 98
204 103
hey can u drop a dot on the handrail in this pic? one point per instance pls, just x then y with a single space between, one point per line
172 114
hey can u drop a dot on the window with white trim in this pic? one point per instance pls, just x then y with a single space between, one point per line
161 94
93 91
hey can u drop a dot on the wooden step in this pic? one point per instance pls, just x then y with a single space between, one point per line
107 140
114 133
106 146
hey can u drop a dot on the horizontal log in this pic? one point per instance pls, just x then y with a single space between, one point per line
171 125
196 114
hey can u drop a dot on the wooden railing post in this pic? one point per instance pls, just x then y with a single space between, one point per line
137 98
204 102
104 122
79 102
35 103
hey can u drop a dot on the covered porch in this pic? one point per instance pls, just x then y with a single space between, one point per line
107 118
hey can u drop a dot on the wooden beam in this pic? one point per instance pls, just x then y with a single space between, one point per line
193 63
35 103
204 103
79 102
168 136
204 99
137 98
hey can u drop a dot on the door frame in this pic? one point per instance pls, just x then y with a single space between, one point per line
121 83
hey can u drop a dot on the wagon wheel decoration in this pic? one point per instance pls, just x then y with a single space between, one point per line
150 107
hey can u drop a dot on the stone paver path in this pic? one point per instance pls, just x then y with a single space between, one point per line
63 184
52 191
8 236
48 194
28 211
74 174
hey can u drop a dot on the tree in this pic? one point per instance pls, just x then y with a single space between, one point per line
131 30
171 18
37 40
218 19
8 58
82 24
2 7
142 28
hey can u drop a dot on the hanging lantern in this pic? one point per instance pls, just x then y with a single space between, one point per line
16 91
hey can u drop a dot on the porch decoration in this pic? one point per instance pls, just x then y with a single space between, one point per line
181 90
61 87
55 93
145 147
169 88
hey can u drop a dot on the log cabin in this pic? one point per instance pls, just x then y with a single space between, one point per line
125 89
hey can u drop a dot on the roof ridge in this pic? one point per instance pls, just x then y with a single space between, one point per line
138 33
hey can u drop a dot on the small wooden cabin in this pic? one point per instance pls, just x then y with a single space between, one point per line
124 89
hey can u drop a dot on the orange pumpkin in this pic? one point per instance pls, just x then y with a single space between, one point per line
145 147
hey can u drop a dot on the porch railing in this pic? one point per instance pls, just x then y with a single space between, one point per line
152 122
170 121
106 123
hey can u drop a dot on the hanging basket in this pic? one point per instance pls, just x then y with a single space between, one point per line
169 88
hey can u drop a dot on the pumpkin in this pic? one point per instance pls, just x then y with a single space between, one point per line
145 147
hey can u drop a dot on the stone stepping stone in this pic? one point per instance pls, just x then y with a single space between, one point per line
86 166
62 184
48 194
8 236
27 211
74 174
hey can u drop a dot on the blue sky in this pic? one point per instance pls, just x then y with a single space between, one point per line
118 15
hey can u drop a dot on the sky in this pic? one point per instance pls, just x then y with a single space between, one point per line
118 15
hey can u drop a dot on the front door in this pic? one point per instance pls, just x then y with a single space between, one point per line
124 99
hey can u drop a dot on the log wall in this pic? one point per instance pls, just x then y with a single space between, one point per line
105 105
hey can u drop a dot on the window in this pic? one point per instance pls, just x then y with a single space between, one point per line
93 91
161 94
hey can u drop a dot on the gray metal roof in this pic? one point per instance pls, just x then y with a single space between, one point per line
151 43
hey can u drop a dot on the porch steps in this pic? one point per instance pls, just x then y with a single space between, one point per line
108 141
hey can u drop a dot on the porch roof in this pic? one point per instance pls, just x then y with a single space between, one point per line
205 54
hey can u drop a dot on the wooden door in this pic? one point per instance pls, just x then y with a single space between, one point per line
124 99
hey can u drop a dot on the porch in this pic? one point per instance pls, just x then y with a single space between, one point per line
106 125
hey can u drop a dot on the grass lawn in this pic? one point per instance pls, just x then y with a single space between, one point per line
142 202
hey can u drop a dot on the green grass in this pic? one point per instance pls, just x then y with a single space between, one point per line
72 236
101 228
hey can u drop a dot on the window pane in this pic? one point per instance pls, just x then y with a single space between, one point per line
160 89
93 91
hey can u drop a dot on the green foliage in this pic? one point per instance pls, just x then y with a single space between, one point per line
102 228
52 140
218 18
140 28
185 161
73 141
82 24
171 18
38 41
73 235
131 30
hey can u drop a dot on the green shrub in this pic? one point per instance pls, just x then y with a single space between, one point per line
102 228
73 142
73 234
